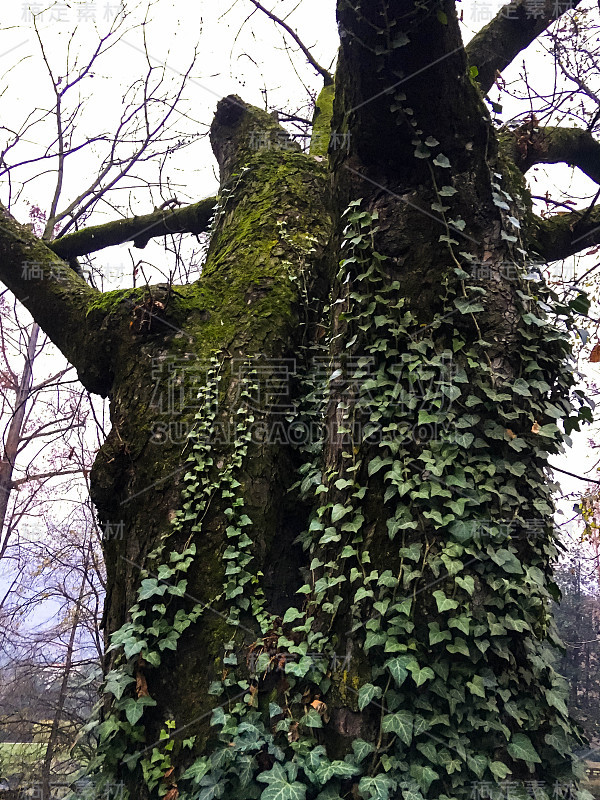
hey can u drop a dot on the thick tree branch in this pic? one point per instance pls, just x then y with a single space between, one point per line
512 30
57 298
189 219
327 76
563 235
552 145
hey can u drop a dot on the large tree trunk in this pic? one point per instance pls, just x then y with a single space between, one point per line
328 457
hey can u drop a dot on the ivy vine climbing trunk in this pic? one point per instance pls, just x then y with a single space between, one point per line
328 456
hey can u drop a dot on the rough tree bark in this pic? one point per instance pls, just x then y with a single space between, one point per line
415 518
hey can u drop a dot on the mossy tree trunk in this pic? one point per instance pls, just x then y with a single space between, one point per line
328 456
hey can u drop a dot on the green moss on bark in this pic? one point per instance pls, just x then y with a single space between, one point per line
321 132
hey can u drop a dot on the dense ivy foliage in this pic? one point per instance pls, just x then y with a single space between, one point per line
425 611
459 677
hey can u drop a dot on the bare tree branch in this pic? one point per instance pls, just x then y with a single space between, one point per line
162 222
512 30
327 76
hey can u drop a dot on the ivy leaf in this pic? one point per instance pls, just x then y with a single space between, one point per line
246 767
133 646
341 769
116 682
218 716
521 387
164 572
467 306
555 699
374 639
401 723
152 657
149 587
499 770
135 708
452 392
436 635
316 755
292 614
338 511
342 483
444 603
477 763
508 561
375 464
377 787
361 749
197 770
275 774
498 201
459 646
361 593
398 668
400 40
521 749
422 674
366 693
462 623
467 583
282 790
476 686
330 792
424 776
312 719
441 161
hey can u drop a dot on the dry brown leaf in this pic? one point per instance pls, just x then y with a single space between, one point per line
595 354
253 691
172 794
321 709
168 774
511 434
293 734
535 428
141 687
